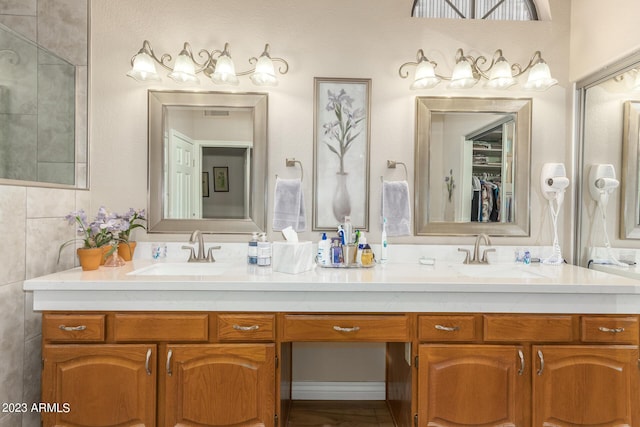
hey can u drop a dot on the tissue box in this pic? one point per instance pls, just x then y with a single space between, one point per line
292 258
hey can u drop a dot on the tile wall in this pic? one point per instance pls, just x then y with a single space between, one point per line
31 219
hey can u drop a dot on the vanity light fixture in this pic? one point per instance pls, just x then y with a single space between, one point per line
468 71
215 64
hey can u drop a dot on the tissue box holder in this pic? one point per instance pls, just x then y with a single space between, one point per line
292 258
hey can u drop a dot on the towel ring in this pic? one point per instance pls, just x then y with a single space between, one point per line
292 162
391 164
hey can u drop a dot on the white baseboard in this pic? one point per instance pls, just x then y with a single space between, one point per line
339 390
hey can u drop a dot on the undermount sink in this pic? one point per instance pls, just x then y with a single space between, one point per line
181 269
497 271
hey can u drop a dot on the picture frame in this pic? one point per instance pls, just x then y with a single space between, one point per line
341 141
221 179
205 184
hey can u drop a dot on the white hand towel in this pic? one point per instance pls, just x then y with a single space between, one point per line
288 206
396 207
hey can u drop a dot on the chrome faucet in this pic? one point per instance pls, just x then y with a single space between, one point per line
200 256
476 259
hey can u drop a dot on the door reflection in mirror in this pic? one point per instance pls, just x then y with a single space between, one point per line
212 140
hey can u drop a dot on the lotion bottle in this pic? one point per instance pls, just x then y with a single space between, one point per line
264 251
324 251
252 252
362 242
384 246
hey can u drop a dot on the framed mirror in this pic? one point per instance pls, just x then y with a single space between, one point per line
207 162
608 112
472 166
630 201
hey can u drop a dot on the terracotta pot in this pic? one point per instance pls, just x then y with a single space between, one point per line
90 258
125 250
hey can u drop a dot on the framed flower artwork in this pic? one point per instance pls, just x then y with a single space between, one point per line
341 152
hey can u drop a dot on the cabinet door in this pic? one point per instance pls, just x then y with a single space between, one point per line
585 386
99 385
471 385
220 385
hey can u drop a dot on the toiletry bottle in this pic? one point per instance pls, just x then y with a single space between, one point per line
324 251
252 253
367 255
264 251
362 241
348 231
384 246
336 251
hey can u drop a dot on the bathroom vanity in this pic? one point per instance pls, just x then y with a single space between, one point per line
170 344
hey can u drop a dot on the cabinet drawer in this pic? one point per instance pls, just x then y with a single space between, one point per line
448 328
161 327
301 327
73 327
547 328
609 329
246 327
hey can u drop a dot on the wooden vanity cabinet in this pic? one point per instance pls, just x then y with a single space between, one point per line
528 370
160 369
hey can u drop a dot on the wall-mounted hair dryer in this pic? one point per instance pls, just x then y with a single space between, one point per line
553 183
553 180
602 183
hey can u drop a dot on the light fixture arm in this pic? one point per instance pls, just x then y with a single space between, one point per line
146 48
282 69
420 57
535 59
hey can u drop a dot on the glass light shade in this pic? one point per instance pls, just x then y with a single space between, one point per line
265 74
500 76
462 76
185 70
225 72
143 70
425 77
540 77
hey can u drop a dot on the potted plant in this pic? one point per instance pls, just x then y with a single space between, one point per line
97 237
131 220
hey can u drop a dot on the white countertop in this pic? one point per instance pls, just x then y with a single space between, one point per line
391 287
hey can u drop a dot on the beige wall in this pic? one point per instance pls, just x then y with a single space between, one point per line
361 38
601 32
333 38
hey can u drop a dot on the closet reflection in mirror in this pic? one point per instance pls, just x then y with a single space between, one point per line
207 162
472 166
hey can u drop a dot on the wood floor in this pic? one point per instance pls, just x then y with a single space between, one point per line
360 413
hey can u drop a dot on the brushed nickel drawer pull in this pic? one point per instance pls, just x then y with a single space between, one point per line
541 357
246 328
147 366
351 329
521 356
169 354
611 330
72 328
447 328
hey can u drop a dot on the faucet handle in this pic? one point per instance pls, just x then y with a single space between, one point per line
485 260
466 257
210 257
192 254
